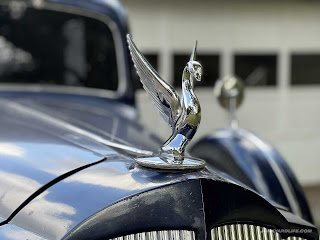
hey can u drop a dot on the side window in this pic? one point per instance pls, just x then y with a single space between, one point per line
305 69
153 60
210 64
256 69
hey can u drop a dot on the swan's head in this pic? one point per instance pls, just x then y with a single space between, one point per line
195 69
193 66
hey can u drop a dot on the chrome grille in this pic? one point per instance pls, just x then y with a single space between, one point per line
160 235
246 232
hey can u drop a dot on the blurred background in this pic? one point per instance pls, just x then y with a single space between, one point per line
274 46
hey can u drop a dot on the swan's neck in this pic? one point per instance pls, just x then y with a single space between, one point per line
187 80
188 122
187 88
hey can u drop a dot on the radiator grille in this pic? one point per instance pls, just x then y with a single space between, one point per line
246 232
160 235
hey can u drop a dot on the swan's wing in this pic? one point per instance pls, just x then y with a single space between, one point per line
163 95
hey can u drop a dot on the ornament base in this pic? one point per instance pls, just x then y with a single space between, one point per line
170 164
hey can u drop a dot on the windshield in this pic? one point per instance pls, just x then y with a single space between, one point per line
49 47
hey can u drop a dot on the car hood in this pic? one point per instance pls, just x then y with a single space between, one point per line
44 139
55 173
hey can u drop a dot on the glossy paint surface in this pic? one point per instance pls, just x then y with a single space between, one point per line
41 147
11 232
39 143
34 153
82 195
117 192
175 206
255 158
109 119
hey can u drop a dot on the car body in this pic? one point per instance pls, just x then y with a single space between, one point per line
67 144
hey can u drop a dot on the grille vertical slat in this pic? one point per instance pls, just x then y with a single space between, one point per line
246 232
240 232
160 235
265 233
220 233
213 235
233 232
226 233
272 235
252 232
152 235
259 233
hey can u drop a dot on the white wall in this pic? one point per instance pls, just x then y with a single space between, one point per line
287 117
225 26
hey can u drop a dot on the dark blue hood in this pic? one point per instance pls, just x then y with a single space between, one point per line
56 180
42 139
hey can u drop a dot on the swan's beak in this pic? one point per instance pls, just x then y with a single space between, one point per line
197 76
198 73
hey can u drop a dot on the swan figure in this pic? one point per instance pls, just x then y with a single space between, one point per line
183 115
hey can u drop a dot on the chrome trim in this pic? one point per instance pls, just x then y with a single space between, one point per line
259 233
183 115
160 235
239 231
227 234
159 163
279 172
246 232
230 94
252 232
233 232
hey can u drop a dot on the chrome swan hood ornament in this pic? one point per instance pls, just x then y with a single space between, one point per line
183 115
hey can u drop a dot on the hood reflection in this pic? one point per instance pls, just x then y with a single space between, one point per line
67 203
113 175
40 215
14 190
15 233
11 150
41 210
26 167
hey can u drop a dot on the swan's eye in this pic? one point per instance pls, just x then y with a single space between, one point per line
195 68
